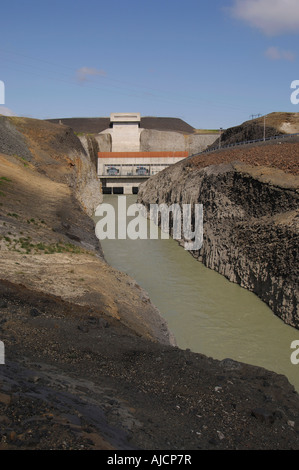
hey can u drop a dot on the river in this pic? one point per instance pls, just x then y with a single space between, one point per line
205 312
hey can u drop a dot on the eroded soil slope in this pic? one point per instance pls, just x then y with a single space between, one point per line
48 243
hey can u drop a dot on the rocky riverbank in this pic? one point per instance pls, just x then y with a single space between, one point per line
251 221
89 362
78 379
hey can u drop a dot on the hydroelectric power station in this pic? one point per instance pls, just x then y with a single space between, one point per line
126 166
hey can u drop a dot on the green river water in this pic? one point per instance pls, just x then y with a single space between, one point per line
205 312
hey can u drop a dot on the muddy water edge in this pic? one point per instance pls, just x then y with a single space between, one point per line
205 312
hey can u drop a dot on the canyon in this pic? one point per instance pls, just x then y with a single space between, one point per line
250 218
89 361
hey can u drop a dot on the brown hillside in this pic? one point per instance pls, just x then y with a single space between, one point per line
272 124
284 156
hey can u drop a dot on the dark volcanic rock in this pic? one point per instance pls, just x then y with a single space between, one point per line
251 225
99 124
12 142
70 383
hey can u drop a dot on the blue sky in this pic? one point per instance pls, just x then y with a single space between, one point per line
212 63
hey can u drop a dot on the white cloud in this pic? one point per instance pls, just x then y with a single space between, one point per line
274 53
272 17
84 73
6 111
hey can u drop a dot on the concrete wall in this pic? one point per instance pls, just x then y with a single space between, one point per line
197 143
156 141
125 117
125 137
130 138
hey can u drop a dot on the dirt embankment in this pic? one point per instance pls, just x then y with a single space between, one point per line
48 244
89 363
271 125
54 151
282 156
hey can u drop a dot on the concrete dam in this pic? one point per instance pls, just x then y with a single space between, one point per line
129 154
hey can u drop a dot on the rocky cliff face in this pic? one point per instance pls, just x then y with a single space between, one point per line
94 143
56 152
251 225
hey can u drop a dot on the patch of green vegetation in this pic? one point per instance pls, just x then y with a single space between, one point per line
62 248
206 131
34 222
40 246
13 215
23 159
25 245
4 178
